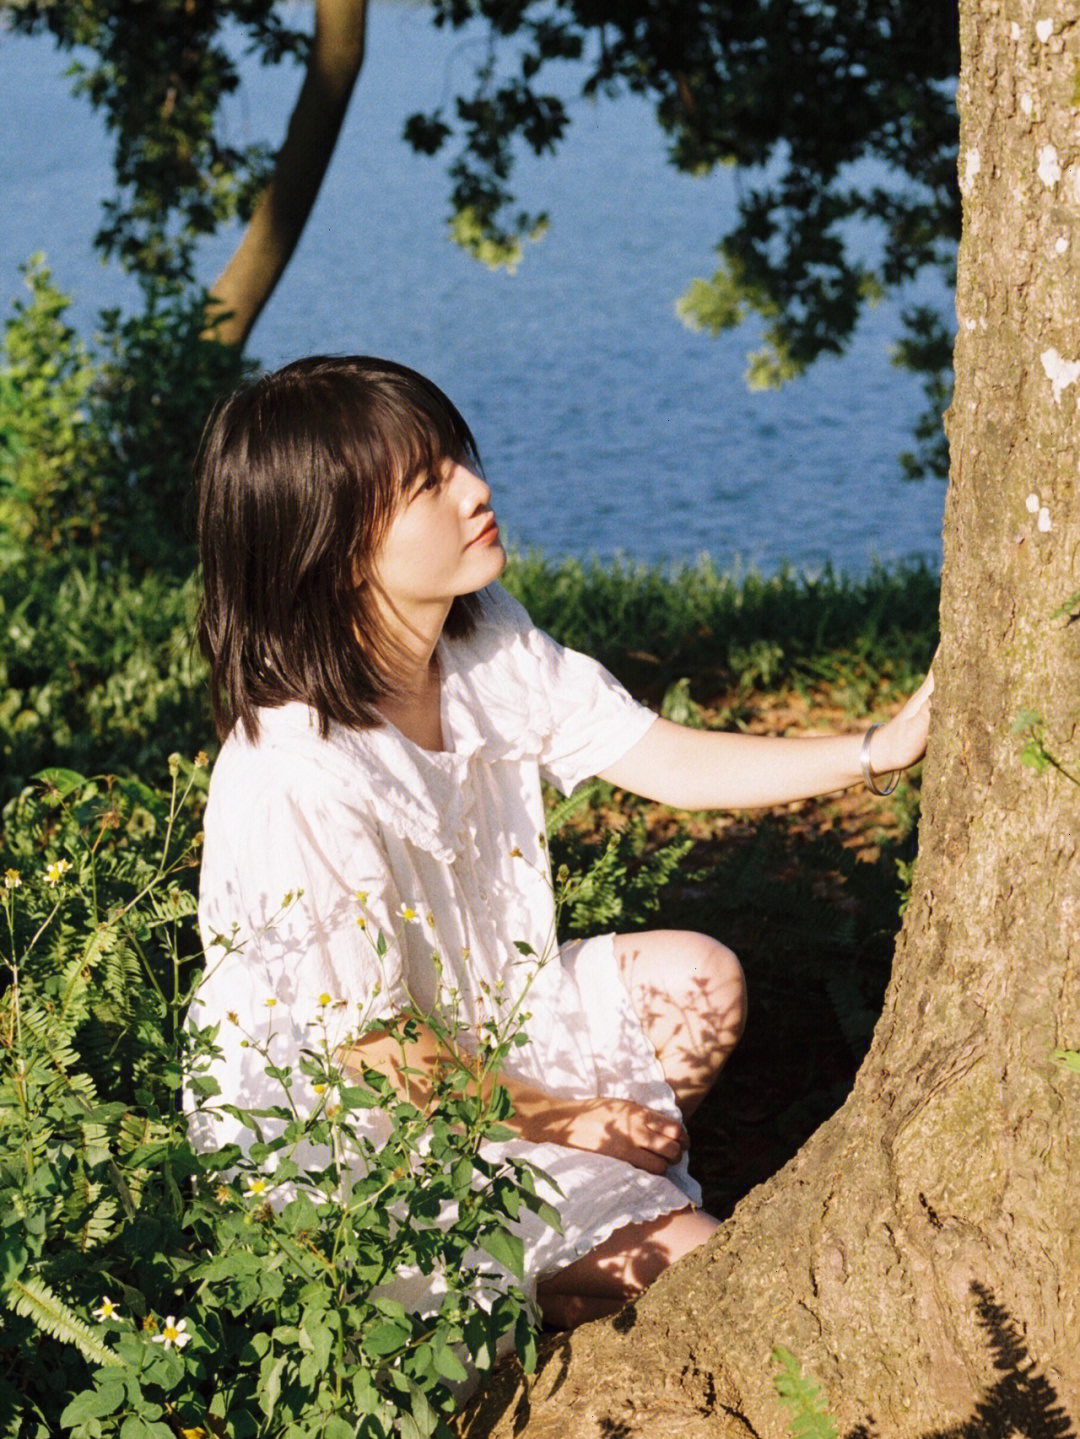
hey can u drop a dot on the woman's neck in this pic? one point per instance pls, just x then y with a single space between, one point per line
414 707
417 712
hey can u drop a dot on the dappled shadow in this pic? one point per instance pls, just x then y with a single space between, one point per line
616 1272
689 994
1021 1404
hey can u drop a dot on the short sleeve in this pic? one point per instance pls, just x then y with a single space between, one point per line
297 877
590 719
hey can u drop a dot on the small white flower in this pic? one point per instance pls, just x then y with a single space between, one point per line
106 1310
12 879
173 1333
408 912
258 1185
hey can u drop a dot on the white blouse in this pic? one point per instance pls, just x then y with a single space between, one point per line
315 846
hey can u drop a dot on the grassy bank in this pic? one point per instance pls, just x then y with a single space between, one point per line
98 674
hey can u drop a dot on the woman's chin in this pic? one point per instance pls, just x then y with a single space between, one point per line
495 563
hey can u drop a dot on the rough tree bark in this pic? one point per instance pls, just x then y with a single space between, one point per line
921 1254
248 280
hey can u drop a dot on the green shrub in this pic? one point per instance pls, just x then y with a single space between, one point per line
152 1288
96 449
52 453
654 626
97 670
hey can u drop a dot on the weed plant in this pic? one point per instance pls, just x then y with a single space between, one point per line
153 1287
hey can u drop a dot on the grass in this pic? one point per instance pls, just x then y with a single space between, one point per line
653 626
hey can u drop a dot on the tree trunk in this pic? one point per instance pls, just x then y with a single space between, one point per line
921 1254
248 280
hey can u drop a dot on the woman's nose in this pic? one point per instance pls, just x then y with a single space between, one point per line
477 491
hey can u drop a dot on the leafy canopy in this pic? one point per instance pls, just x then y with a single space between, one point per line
842 113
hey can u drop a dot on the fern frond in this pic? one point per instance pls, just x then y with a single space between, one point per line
561 812
809 1417
100 1225
34 1300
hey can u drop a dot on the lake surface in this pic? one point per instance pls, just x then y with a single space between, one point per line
605 425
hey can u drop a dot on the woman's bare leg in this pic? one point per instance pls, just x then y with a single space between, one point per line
602 1281
690 996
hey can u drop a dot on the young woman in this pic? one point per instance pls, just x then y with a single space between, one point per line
388 712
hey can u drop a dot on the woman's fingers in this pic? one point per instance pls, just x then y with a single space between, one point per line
623 1129
658 1134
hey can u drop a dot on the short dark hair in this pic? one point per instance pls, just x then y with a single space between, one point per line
299 475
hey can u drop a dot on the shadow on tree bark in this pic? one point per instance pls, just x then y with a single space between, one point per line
1022 1401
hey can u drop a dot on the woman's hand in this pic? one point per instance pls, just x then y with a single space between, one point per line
901 741
616 1127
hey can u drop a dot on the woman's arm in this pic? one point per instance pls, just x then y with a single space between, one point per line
616 1127
707 769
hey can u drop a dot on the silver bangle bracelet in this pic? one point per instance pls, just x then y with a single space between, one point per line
864 764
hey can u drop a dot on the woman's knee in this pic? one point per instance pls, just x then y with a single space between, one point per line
728 986
713 982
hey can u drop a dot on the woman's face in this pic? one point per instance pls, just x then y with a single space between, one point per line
442 542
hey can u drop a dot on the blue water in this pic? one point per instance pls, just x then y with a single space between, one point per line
605 425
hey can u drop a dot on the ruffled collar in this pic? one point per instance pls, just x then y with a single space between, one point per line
489 712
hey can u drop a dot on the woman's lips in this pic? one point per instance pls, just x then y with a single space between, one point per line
488 535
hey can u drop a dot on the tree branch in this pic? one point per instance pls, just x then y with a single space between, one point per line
267 245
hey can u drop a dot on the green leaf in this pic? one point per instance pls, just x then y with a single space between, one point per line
338 1428
1065 608
461 1177
270 1372
385 1338
1068 1059
33 1299
354 1096
506 1249
64 781
92 1404
447 1364
809 1420
321 1338
525 1343
543 1210
1034 756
